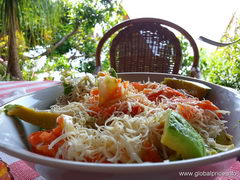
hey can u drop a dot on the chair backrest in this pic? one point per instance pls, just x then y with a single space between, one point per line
146 45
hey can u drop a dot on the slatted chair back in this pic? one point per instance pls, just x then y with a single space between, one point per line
147 45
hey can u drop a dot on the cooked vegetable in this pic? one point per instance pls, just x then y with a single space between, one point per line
193 88
181 137
43 119
223 148
224 138
110 90
41 140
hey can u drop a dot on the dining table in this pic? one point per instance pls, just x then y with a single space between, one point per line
23 170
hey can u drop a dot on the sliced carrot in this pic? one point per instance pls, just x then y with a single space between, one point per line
119 80
150 153
95 108
107 112
47 137
167 92
42 139
147 90
94 91
112 97
170 92
139 86
98 157
187 111
125 84
57 131
206 104
116 94
101 73
155 96
184 99
34 138
44 150
136 110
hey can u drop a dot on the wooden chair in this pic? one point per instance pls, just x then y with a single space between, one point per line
146 45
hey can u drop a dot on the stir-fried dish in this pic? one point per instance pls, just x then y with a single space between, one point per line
108 120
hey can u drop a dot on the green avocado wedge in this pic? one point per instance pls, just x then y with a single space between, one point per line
181 137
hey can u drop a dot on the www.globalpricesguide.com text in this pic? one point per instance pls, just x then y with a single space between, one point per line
208 173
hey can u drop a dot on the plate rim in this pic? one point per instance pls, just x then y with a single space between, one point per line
101 167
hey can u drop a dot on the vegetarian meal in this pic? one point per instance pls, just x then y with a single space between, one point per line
107 120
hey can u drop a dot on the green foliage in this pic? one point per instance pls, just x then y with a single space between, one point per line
88 66
105 65
63 18
39 20
85 15
28 69
36 18
67 88
187 57
2 72
56 64
47 22
223 65
4 76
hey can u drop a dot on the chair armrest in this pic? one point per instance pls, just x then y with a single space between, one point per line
195 72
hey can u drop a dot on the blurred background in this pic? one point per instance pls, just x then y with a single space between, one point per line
56 39
200 18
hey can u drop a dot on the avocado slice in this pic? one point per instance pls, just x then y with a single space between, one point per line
181 137
193 88
224 138
43 119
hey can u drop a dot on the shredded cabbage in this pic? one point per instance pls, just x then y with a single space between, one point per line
119 132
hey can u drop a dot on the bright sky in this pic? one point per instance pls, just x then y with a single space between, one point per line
208 18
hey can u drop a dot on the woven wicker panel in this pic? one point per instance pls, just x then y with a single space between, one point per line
145 47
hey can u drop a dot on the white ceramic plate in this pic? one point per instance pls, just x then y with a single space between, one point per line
13 134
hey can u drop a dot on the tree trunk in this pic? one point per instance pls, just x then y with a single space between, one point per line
13 67
59 43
